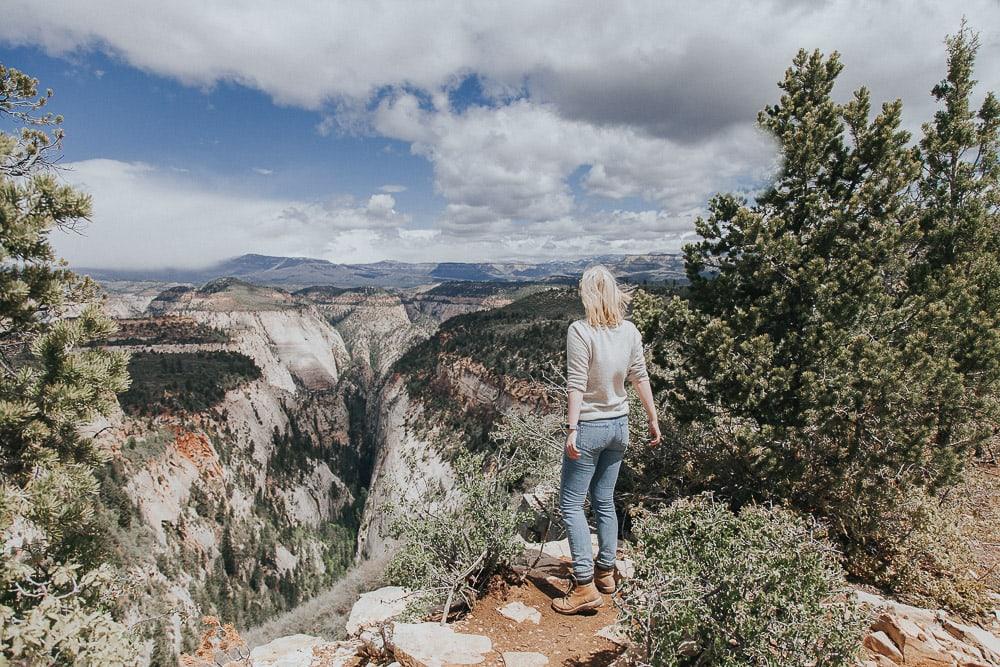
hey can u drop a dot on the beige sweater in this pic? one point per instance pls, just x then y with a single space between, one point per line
599 360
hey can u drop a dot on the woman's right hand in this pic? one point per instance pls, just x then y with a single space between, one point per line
571 450
654 432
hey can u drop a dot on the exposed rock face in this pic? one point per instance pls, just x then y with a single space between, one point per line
911 636
407 467
129 299
305 651
287 340
441 308
474 383
375 324
234 505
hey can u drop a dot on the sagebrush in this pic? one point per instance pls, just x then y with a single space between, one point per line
452 542
762 587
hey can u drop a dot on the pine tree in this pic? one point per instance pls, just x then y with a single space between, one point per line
956 280
52 381
839 345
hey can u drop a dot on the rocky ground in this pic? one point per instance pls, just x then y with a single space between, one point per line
514 626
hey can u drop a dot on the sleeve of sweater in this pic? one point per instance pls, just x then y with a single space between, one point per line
577 359
637 363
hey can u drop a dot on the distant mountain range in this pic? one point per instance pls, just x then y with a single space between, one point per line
293 272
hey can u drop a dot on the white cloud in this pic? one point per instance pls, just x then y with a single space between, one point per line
677 68
515 162
148 216
262 171
646 105
393 189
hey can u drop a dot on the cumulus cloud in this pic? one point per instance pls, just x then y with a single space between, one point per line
514 162
646 108
680 69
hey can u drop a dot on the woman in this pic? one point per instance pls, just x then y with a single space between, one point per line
602 352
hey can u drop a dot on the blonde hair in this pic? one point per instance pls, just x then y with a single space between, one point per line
603 300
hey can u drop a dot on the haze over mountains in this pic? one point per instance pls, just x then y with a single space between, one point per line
305 271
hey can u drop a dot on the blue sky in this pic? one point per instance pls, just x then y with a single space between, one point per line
223 134
438 131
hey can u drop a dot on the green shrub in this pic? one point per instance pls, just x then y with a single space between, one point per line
453 543
920 552
839 347
761 587
52 612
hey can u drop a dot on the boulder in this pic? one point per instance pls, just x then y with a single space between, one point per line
915 637
376 607
435 645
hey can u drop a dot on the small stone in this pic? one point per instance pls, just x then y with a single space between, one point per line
524 659
520 612
613 633
625 567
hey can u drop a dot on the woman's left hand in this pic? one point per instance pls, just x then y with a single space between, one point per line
571 450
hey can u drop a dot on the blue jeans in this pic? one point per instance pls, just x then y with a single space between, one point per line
602 444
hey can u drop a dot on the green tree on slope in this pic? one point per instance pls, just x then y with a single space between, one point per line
53 593
839 349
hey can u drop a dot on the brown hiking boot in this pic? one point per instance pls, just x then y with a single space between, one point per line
605 580
580 597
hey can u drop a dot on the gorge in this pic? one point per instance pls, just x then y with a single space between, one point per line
266 431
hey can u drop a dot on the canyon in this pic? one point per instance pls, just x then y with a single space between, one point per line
269 435
265 434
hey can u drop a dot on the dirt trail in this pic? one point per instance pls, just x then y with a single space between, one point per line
565 640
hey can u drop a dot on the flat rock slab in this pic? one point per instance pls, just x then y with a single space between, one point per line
524 659
520 612
337 654
435 645
376 607
291 651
